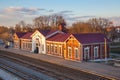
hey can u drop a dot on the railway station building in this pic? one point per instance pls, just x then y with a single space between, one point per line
78 47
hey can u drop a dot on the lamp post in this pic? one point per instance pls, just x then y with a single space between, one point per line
105 50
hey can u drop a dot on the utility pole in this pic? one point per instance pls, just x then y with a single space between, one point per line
105 50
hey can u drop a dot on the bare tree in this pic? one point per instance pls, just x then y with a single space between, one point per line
3 29
41 22
80 27
17 28
48 22
29 28
100 24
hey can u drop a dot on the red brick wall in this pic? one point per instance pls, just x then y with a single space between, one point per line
101 51
73 43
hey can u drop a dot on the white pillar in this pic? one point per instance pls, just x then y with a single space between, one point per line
33 45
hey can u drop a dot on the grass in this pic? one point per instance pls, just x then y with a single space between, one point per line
115 50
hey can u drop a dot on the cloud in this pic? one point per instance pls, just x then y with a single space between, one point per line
72 19
79 18
51 10
23 10
115 20
83 17
65 12
15 14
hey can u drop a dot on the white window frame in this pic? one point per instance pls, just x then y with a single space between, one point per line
69 54
60 51
86 48
77 53
52 48
55 47
48 47
96 54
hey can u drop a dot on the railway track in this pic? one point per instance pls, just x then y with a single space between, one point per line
56 71
17 72
30 66
21 73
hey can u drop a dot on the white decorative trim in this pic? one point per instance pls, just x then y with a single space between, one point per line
53 33
69 54
86 55
55 42
77 53
96 48
52 48
95 43
55 49
60 52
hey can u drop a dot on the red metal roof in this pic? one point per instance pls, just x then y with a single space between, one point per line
20 34
27 35
59 37
47 32
87 38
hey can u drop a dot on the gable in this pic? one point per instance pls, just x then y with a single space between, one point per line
15 37
37 33
72 41
46 33
72 38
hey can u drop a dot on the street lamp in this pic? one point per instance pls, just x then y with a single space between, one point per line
105 50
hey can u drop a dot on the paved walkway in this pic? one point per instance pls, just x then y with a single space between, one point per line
91 67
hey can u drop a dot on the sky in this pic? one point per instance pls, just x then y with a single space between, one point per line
14 11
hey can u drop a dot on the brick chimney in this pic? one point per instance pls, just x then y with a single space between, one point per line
61 26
